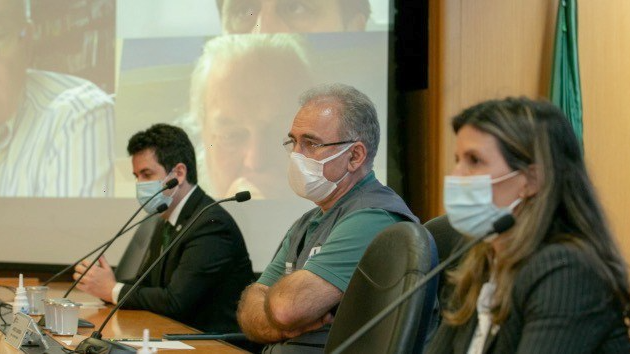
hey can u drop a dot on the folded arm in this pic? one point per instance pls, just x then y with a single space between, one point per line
297 303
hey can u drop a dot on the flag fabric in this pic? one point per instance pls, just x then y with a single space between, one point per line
565 75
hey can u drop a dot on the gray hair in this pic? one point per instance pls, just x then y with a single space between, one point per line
289 47
358 119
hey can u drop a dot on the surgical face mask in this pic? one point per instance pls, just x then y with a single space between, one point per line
306 176
145 190
469 206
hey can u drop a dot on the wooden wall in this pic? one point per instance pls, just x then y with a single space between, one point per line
605 68
486 49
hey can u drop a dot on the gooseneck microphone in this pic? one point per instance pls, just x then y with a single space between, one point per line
95 344
503 224
170 184
162 208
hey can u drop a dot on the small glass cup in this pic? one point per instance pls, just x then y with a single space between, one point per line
49 313
57 313
36 295
69 318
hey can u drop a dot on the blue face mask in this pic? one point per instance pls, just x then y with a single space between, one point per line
145 190
469 206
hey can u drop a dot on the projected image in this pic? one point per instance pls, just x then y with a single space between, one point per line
56 123
63 62
243 96
79 77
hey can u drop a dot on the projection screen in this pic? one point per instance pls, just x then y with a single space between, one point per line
79 77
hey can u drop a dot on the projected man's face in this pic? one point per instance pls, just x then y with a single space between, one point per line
281 16
14 48
249 106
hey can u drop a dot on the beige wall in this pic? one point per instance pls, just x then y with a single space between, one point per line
605 68
486 49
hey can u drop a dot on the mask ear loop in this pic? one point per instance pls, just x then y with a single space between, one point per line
510 207
175 189
330 158
342 178
514 204
505 177
334 157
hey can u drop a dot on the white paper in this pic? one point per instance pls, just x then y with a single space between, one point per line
170 344
92 305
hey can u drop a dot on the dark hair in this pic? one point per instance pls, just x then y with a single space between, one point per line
565 208
349 8
170 145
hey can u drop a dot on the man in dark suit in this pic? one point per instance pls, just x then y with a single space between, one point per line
200 280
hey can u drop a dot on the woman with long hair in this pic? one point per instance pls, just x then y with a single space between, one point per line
554 282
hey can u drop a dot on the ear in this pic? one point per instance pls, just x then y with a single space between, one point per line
356 23
180 170
358 158
533 175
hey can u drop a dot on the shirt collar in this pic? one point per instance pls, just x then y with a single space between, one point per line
172 219
370 177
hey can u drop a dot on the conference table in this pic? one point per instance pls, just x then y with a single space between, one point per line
124 324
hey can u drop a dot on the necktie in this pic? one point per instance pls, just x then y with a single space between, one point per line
168 231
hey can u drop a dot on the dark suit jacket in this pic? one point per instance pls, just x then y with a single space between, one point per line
559 305
200 281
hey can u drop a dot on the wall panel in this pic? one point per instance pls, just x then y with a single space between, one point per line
605 68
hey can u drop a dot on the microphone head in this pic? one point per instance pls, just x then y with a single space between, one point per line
171 183
242 196
162 207
504 223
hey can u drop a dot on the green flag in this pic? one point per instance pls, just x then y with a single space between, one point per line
565 75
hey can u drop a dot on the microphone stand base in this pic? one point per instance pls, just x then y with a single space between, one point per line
99 346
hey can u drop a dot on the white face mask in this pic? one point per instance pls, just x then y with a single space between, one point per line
306 176
145 190
469 206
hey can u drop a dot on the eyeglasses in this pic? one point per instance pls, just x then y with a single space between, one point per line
8 41
309 146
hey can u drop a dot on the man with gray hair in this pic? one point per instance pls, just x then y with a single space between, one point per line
332 144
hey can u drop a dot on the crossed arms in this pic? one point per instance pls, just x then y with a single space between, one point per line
297 303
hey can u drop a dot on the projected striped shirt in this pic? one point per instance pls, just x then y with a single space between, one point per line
60 143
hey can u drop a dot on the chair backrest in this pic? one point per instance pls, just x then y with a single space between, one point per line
447 239
129 265
395 260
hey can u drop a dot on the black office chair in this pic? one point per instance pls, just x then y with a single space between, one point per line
129 265
447 240
397 258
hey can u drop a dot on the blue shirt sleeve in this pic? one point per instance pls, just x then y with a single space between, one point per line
275 269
